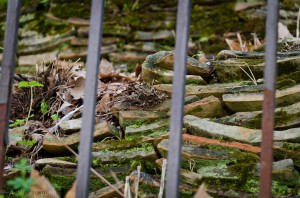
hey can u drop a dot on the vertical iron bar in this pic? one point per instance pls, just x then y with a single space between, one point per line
6 80
90 95
178 92
270 73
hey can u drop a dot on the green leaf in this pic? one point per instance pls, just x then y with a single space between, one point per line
23 84
44 107
54 117
29 84
35 84
17 123
16 183
28 143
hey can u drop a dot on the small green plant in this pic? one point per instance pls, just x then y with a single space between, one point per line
26 143
31 85
54 117
22 183
44 108
199 54
17 123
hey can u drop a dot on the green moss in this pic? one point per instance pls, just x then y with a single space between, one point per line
138 122
150 133
281 118
147 189
46 26
244 167
286 83
291 146
80 9
63 183
195 110
295 76
117 144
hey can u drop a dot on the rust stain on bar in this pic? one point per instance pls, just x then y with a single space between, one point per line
267 144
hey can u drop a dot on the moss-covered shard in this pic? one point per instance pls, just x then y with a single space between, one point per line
164 76
138 118
253 102
285 118
145 151
206 108
153 129
63 178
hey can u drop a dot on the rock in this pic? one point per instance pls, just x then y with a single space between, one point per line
153 36
228 64
209 107
185 175
105 41
285 118
76 53
283 171
127 56
145 152
121 144
34 48
137 118
165 60
196 140
69 126
153 129
107 192
205 128
108 30
164 76
195 153
284 150
41 163
56 146
32 60
148 47
144 178
217 90
253 102
166 105
216 171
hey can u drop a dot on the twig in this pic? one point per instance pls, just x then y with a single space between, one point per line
162 179
127 193
66 117
136 182
297 31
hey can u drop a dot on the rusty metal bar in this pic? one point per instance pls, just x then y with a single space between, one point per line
6 80
178 92
270 73
90 95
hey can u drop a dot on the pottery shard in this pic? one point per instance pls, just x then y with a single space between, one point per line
52 144
253 102
205 128
151 36
217 90
209 107
288 113
165 60
164 76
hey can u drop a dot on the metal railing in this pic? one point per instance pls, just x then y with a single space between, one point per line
94 48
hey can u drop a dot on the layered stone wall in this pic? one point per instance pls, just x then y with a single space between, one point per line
134 29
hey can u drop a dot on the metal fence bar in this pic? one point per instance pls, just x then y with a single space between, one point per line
178 92
6 80
270 73
90 95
